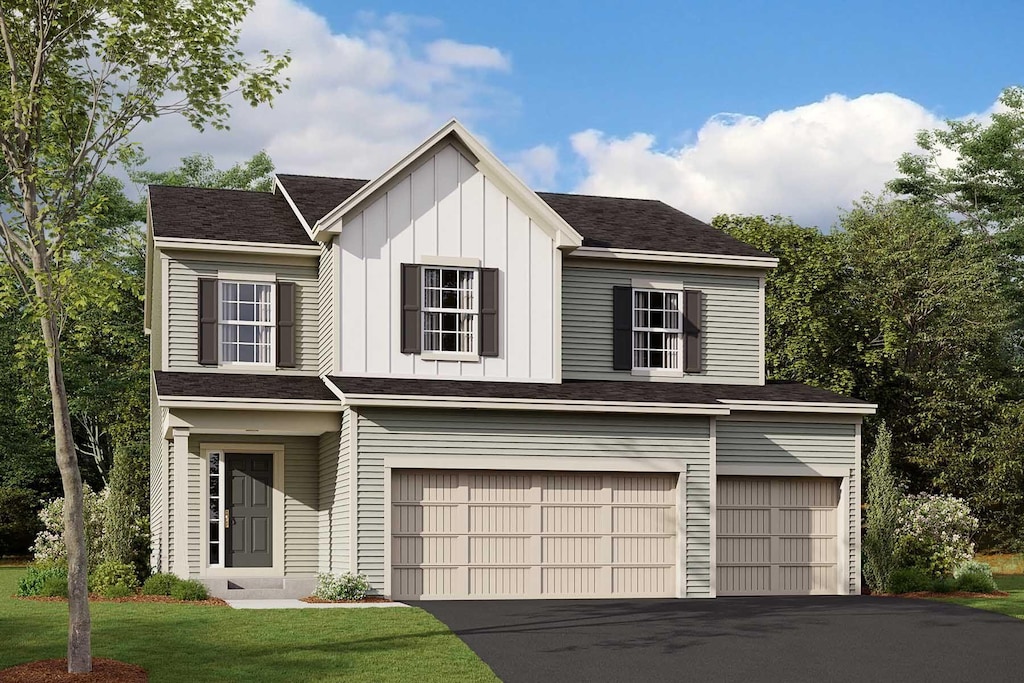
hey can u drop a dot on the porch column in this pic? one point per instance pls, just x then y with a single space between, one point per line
180 474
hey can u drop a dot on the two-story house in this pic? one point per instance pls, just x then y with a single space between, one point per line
462 388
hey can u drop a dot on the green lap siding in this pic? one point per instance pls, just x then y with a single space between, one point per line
731 322
335 499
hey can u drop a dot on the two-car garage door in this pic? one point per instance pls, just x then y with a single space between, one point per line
487 534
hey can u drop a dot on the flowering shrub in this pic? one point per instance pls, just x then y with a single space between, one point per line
936 532
49 549
345 587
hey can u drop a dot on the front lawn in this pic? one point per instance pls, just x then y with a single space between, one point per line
1012 605
198 643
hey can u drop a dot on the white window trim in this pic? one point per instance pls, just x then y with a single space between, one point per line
220 508
655 372
272 363
277 567
437 354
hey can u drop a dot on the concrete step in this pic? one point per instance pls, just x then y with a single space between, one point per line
261 588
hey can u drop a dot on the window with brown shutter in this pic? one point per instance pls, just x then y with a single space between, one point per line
208 305
286 324
411 337
692 304
489 298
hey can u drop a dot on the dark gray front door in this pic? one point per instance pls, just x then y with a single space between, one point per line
249 504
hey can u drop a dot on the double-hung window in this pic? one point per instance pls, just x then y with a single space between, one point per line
451 309
246 322
657 329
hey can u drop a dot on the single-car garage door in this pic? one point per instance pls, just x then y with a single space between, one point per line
488 534
777 535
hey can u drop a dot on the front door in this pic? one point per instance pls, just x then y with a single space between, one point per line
249 507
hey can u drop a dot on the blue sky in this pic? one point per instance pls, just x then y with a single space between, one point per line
794 108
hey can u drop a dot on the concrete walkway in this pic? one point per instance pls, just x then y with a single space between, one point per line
299 604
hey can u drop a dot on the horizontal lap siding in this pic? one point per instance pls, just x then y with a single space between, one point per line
182 297
334 499
482 433
763 443
731 323
301 497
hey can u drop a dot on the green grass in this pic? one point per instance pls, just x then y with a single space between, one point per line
199 643
1012 605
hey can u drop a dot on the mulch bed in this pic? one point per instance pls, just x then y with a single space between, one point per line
166 599
312 599
56 671
954 594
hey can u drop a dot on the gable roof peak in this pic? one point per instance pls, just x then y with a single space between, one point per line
565 235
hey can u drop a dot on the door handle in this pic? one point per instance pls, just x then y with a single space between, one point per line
227 519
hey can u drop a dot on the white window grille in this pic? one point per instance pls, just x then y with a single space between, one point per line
657 329
450 309
246 322
216 497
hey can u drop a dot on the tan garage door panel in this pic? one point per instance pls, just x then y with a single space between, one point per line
532 534
777 535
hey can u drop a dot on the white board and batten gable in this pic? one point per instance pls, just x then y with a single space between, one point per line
450 202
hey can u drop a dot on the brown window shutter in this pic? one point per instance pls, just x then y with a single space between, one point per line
411 337
622 323
208 305
489 311
692 304
286 324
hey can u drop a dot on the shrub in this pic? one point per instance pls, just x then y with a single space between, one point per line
19 520
49 546
111 574
55 586
910 580
189 590
36 577
344 587
125 527
160 584
935 532
975 577
881 539
118 590
946 584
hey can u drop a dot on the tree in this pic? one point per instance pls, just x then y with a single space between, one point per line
929 299
811 328
78 78
881 532
198 170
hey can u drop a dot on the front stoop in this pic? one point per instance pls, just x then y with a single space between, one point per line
261 588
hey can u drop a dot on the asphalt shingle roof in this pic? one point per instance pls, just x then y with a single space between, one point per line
233 215
231 385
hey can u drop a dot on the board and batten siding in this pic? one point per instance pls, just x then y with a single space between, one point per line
335 498
730 338
301 498
326 298
471 434
445 207
767 443
183 309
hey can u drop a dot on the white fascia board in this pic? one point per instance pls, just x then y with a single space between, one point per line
189 244
565 235
363 400
801 407
248 403
678 257
279 186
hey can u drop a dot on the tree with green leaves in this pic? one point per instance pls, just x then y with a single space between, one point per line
78 78
199 170
881 532
811 329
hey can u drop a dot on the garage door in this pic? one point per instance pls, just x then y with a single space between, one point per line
777 536
486 534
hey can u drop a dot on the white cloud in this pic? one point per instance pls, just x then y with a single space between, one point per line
537 166
358 101
803 162
466 56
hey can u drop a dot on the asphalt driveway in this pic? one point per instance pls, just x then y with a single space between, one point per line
738 639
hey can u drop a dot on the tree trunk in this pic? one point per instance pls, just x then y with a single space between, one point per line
79 622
